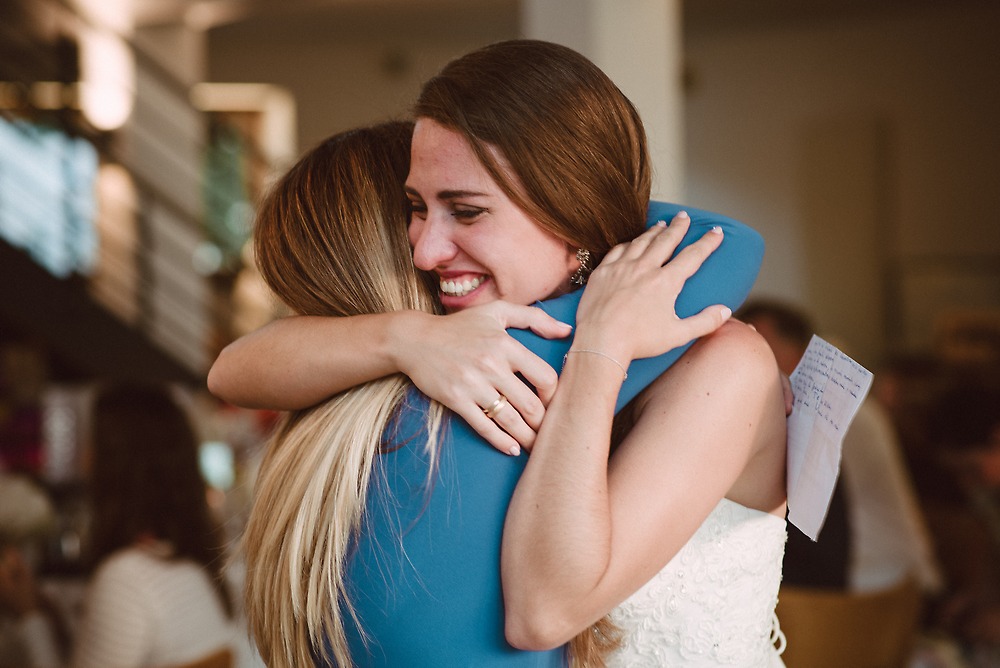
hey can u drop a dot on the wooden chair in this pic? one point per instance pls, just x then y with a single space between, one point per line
222 659
827 629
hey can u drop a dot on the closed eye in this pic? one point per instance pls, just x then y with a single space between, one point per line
468 214
418 209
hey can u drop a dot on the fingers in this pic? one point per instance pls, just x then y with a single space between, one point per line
503 408
615 253
527 406
535 319
510 421
706 322
690 258
535 370
660 242
787 394
499 421
503 367
635 248
522 416
543 378
491 432
661 236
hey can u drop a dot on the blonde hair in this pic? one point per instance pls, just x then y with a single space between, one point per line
330 239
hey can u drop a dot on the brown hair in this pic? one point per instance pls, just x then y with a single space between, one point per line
572 155
574 144
145 479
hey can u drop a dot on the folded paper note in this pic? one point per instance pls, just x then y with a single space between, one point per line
829 387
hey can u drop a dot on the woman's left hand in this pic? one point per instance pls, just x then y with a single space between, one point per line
628 308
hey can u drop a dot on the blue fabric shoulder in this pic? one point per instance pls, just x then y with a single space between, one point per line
424 577
725 278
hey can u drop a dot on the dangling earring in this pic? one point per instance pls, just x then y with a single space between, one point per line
582 273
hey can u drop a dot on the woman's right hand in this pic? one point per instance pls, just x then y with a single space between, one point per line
467 361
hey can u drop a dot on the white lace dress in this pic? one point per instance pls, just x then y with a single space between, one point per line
713 604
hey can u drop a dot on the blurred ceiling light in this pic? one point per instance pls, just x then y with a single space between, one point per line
107 79
117 15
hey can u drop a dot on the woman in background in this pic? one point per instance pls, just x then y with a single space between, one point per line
157 596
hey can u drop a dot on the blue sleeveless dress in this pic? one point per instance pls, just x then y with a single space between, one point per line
424 578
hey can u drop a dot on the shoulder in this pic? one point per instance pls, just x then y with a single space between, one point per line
735 350
122 573
727 368
138 557
124 563
138 569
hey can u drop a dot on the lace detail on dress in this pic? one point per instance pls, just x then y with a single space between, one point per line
713 604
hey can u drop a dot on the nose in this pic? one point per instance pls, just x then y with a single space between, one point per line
432 242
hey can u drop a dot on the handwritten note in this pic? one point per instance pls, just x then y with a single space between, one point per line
829 387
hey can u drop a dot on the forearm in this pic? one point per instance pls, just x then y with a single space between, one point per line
557 536
560 570
299 361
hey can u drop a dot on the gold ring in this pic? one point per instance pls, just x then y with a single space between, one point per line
494 408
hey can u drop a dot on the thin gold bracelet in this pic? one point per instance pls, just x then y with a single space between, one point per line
598 352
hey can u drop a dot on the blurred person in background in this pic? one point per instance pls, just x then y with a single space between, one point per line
33 633
158 596
877 534
963 507
23 378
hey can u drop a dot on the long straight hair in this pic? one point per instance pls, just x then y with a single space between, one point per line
330 239
569 148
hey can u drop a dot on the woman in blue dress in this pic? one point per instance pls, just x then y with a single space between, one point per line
411 574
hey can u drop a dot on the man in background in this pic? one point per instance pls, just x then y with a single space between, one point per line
875 535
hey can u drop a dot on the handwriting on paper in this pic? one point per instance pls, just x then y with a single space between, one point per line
829 387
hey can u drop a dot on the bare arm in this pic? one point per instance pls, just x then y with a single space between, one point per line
561 569
299 361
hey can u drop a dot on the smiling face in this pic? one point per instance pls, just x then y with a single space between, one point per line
465 229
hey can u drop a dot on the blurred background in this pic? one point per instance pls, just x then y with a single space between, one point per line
860 137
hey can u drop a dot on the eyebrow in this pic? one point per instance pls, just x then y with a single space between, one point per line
449 194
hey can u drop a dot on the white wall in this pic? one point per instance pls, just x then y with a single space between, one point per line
616 35
882 125
358 72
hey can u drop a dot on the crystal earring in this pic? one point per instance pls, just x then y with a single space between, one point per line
582 273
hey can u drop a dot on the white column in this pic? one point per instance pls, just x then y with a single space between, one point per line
638 44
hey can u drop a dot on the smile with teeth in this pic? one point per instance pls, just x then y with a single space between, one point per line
461 288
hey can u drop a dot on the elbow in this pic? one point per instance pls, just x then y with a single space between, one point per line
536 630
216 382
219 382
